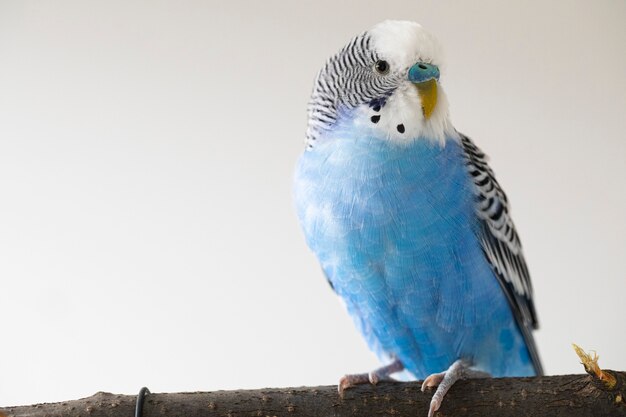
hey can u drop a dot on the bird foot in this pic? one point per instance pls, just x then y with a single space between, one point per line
444 381
351 380
433 380
373 377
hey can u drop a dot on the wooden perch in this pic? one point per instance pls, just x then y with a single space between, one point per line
566 395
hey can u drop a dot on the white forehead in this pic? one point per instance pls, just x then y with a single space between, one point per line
404 43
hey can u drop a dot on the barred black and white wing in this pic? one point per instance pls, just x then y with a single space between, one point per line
502 245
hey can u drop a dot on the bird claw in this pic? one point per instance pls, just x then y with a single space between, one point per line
433 380
444 381
435 403
374 377
349 381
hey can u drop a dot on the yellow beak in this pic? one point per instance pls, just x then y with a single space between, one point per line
428 95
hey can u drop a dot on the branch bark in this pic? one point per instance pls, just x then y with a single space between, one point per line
565 395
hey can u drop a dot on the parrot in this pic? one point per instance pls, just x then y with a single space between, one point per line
406 218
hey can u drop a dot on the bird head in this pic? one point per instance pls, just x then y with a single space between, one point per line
386 80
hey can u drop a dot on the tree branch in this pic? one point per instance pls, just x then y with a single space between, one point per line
565 395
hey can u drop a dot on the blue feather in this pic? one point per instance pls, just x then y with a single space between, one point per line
395 228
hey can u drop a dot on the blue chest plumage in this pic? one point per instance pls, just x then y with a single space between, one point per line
394 227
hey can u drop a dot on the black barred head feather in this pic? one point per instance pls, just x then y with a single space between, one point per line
369 71
347 79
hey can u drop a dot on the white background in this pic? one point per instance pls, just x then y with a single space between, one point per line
147 235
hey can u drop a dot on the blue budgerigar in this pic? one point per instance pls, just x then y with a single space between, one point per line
408 221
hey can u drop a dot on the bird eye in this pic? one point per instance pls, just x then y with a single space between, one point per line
381 67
